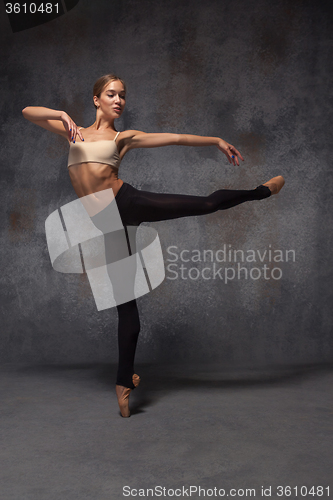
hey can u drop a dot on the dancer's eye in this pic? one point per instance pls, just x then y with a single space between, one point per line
113 95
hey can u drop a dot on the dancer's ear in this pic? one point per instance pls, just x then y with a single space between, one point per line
96 101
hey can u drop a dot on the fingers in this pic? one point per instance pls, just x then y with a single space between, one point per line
235 154
80 135
235 160
228 156
71 128
238 154
74 132
231 157
67 125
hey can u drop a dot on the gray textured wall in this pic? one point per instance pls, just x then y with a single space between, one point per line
257 74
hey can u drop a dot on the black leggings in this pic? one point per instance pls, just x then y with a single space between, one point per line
137 206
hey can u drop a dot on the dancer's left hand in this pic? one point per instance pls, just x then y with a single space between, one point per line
230 151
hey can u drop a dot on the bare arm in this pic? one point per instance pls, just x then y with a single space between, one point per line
53 120
135 139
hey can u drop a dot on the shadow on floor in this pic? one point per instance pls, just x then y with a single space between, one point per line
161 380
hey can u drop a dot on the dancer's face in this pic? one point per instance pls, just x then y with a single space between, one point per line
112 99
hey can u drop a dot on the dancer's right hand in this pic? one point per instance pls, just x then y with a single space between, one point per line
71 128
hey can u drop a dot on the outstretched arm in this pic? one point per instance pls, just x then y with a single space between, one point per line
136 139
53 120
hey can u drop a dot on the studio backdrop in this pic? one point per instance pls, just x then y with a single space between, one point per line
251 285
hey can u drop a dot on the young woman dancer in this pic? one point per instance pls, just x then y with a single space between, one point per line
94 158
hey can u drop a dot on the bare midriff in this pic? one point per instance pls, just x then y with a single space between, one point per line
88 178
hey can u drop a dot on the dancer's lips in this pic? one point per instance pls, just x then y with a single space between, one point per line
118 110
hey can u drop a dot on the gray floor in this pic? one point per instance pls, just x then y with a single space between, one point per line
63 437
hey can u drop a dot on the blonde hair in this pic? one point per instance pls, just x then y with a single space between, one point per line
102 82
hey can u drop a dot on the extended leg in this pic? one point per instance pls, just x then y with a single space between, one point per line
143 206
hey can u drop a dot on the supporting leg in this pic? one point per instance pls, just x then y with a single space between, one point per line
128 333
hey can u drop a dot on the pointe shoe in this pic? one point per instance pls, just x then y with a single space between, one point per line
275 184
123 396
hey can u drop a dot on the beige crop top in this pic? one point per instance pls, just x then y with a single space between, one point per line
104 151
